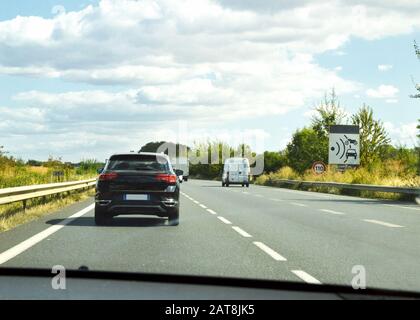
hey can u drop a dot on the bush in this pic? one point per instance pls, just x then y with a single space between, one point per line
14 173
389 173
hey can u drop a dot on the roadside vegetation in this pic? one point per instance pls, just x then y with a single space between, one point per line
381 162
13 215
15 173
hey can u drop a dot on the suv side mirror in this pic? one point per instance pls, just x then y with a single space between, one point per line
179 172
99 171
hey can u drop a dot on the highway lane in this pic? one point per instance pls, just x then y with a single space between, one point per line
256 232
327 244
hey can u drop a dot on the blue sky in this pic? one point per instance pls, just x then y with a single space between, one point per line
88 82
42 8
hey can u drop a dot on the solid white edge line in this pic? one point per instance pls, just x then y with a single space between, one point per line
383 223
276 256
306 277
25 245
224 220
242 232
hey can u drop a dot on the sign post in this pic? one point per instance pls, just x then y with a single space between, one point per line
344 145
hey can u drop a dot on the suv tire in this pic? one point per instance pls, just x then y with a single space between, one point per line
173 217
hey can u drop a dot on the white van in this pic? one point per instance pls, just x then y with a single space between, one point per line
236 171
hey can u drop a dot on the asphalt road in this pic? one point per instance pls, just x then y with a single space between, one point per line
255 232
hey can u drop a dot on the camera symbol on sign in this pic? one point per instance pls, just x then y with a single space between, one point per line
344 149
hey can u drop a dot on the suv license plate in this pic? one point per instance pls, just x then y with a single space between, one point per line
136 197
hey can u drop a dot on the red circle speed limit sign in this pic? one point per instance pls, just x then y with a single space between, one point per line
319 167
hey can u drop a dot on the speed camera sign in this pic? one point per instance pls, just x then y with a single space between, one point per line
344 145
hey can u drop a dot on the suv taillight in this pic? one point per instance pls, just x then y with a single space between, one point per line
108 176
167 178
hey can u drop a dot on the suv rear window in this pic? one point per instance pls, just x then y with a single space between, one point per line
138 163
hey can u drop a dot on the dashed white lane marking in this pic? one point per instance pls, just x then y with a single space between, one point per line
211 211
298 204
245 192
276 256
258 195
196 202
404 207
25 245
224 220
382 223
242 232
306 277
332 211
203 206
277 200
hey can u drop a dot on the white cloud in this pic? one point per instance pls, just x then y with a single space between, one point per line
384 67
391 100
206 61
402 133
383 91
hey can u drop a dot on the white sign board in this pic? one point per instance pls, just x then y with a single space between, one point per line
344 146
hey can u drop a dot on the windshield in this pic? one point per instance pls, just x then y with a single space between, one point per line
274 140
140 163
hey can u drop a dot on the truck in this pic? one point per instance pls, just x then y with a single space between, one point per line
181 163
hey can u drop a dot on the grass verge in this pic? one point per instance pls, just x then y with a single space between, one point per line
13 215
392 177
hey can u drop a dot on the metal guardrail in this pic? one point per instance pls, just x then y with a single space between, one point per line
364 187
11 195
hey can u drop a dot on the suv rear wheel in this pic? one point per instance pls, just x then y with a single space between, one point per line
101 218
173 218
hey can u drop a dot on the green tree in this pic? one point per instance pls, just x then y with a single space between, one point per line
181 150
418 128
373 136
34 163
417 148
417 86
311 144
274 160
88 166
305 148
328 113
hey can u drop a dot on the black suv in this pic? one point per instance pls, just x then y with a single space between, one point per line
143 183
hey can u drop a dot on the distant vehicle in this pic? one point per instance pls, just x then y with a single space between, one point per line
236 171
181 163
351 153
143 183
